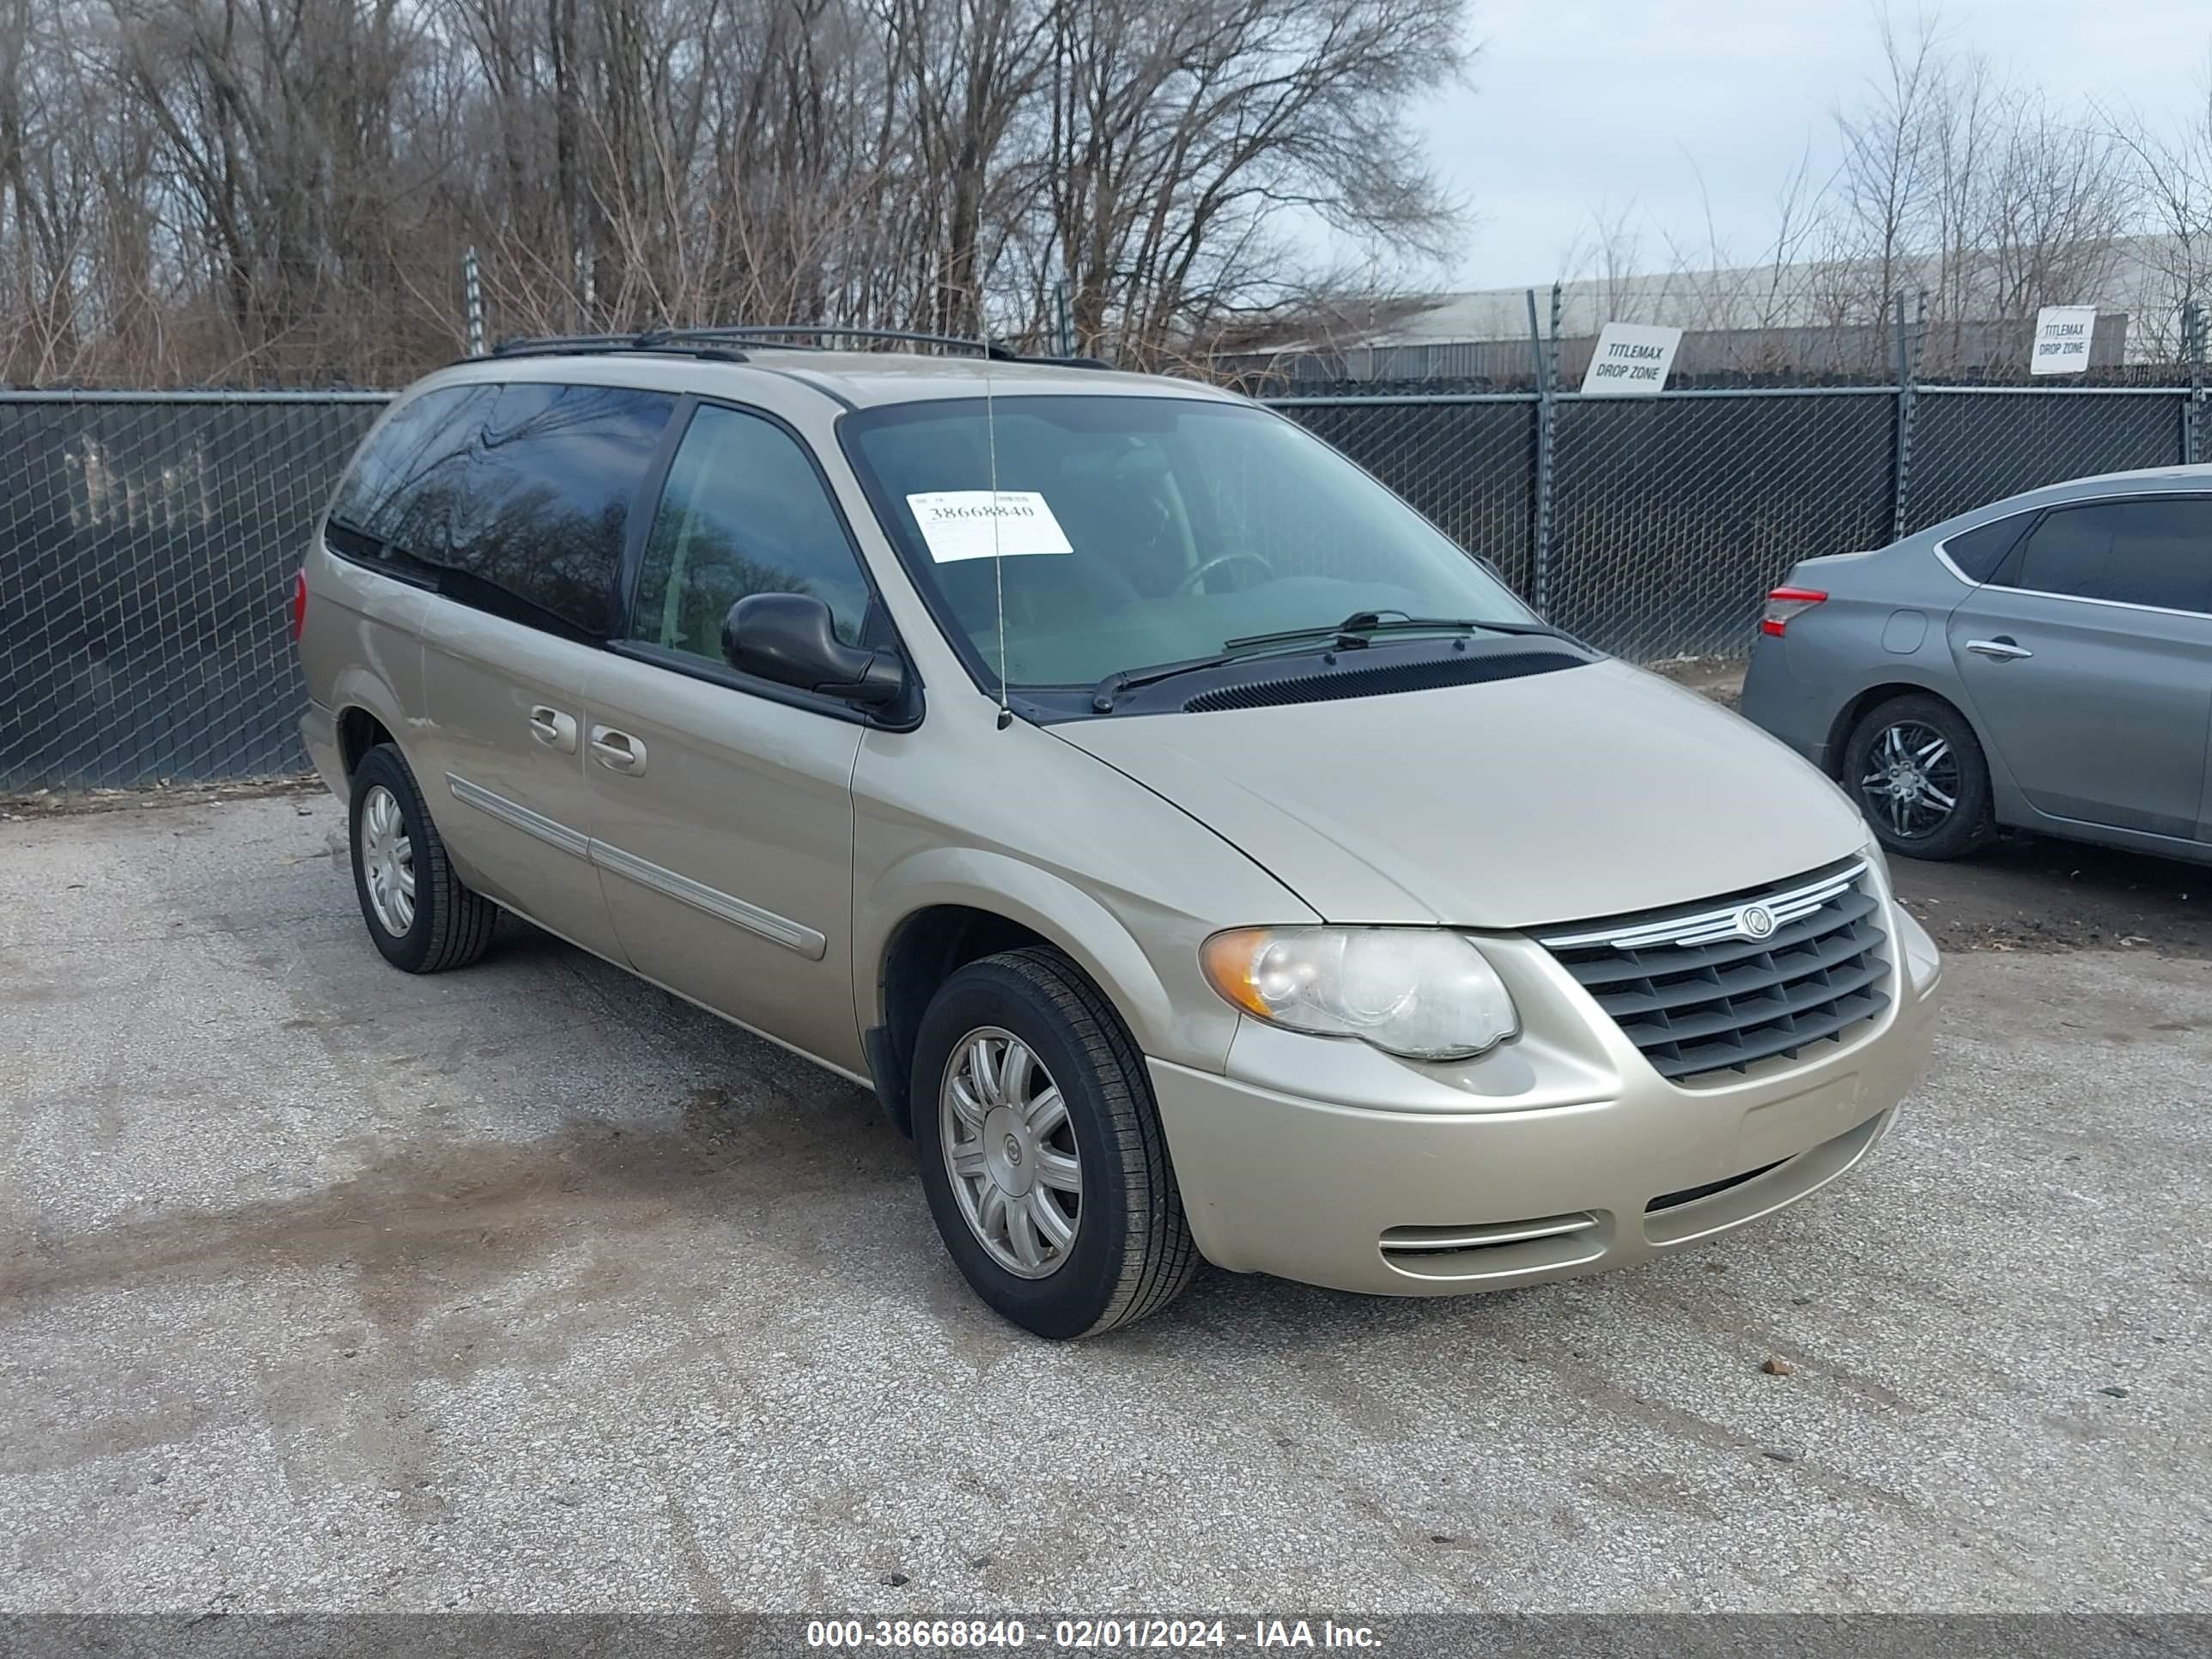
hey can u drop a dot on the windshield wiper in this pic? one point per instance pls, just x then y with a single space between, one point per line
1356 629
1350 634
1127 679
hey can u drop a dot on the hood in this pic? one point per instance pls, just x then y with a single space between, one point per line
1586 792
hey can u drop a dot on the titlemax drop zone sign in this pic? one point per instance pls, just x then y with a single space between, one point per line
2061 339
1631 360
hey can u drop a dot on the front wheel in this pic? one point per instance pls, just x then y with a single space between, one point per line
1040 1149
1917 772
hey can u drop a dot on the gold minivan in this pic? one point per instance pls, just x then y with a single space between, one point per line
1198 854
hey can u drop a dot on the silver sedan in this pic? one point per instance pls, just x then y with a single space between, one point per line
2043 664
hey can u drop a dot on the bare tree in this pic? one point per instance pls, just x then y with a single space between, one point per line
1889 176
1981 196
1607 254
282 189
1182 135
2172 168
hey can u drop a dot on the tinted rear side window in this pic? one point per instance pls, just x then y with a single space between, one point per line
541 532
405 485
1978 553
2145 552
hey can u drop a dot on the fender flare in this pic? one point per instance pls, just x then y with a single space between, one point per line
357 687
1048 905
2004 791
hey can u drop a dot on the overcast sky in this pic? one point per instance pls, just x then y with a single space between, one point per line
1580 105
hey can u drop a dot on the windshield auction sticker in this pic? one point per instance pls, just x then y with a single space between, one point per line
973 524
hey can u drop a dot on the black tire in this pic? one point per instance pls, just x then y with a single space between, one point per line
1969 825
1132 1253
451 925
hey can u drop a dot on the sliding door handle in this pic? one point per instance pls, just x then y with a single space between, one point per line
617 751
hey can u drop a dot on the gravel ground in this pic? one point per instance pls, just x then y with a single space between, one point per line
529 1288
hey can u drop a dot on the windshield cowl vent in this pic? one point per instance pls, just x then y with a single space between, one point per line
1384 681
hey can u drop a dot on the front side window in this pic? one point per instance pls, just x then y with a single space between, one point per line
744 512
403 489
2148 552
1133 531
540 533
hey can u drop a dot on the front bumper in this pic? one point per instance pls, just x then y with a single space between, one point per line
1575 1157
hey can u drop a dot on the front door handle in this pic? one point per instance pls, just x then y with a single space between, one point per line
554 729
617 751
2004 648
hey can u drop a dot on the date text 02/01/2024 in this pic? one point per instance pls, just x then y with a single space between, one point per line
1088 1634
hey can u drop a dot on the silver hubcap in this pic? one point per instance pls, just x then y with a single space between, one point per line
1911 782
387 861
1011 1153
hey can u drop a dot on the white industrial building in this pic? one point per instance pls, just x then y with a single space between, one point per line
1812 317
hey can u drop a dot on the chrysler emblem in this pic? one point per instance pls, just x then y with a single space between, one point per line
1754 921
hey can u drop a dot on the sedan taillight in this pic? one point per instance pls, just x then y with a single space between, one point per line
299 603
1783 603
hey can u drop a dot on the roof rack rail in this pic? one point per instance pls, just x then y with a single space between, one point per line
704 341
583 345
991 348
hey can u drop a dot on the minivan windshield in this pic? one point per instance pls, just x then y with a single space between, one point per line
1134 531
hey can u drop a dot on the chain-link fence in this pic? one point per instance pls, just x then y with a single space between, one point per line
1976 444
1670 512
1468 463
1654 526
147 544
146 540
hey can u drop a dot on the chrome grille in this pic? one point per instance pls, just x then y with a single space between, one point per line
1718 985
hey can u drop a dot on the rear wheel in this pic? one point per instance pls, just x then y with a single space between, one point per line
1917 773
1040 1149
420 914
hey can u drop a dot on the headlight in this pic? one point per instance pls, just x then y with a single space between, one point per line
1419 991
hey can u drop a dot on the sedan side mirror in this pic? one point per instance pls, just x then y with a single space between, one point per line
792 639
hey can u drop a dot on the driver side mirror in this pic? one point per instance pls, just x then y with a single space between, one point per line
792 639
